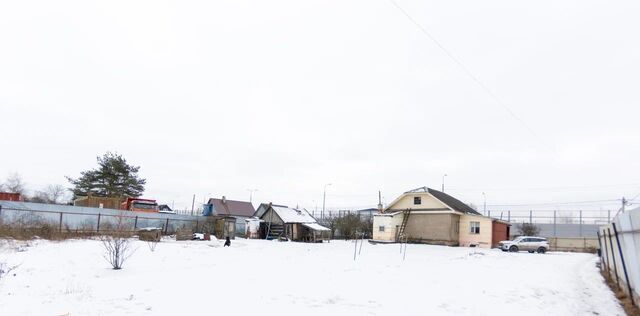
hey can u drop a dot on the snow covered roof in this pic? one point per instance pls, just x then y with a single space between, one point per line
315 226
292 215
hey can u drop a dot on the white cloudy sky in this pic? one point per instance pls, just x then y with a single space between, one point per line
216 97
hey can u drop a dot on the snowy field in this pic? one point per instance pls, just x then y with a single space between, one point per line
256 277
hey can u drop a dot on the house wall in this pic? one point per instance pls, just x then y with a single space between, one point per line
406 202
483 239
500 232
390 223
271 216
441 228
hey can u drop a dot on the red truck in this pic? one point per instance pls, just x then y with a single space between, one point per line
139 205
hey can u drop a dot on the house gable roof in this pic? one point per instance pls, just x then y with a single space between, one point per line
447 199
232 208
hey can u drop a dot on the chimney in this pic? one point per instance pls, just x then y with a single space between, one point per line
224 199
380 209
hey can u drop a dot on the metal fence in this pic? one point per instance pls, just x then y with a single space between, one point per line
86 219
620 252
558 223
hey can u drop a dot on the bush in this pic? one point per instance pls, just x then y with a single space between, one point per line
528 229
117 244
351 226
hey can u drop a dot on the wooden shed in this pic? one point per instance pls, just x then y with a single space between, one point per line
293 224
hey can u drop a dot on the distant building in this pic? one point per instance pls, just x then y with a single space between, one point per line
239 210
6 196
164 208
426 215
368 212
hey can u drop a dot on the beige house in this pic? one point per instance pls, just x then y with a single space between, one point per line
426 215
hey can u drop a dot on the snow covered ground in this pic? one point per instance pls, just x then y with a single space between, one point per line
257 277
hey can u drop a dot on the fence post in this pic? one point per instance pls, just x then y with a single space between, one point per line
98 223
489 213
508 216
624 266
606 251
580 223
166 227
609 216
530 217
613 257
135 223
554 224
600 245
197 223
60 225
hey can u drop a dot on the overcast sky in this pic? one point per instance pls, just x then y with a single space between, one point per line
216 97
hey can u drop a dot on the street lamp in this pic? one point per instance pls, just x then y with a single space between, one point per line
485 203
443 181
324 197
251 194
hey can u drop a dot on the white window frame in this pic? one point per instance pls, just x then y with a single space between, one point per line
474 227
381 228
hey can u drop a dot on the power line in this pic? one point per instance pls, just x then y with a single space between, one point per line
546 188
556 203
465 69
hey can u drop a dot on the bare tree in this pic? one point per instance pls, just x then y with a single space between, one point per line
117 245
15 184
53 194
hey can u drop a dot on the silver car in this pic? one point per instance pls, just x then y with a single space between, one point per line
529 243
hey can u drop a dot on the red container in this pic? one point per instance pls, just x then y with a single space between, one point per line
5 196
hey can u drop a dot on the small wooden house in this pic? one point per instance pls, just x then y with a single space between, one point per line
278 221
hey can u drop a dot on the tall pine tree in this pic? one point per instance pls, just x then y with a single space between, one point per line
113 178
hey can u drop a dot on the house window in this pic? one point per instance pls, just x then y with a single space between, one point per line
417 200
380 228
475 227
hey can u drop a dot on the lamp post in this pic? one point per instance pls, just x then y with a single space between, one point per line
251 194
443 181
324 197
485 203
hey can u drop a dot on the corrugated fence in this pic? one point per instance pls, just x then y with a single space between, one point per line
620 251
67 217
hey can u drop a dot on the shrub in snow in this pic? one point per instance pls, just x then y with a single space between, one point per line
117 245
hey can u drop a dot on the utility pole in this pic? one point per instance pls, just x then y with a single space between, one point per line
324 197
624 203
251 194
443 181
193 203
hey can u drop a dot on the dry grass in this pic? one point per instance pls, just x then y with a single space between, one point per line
624 299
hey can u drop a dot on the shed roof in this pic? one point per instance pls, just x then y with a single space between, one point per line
315 226
292 215
232 208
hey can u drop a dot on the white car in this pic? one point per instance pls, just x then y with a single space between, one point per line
529 243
